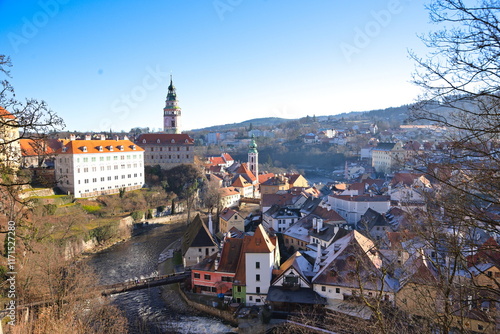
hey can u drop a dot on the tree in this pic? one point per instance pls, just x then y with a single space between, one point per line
461 83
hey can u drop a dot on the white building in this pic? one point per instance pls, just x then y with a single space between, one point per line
261 257
88 167
352 207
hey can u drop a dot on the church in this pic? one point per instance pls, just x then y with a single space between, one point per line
171 147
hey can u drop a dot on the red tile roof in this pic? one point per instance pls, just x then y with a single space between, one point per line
228 191
94 146
243 170
260 242
230 255
240 182
5 114
264 177
227 213
30 147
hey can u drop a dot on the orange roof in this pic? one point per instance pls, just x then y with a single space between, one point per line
35 147
259 242
5 114
264 177
240 182
227 157
228 191
98 146
216 161
243 170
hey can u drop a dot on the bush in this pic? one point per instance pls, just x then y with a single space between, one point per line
103 233
50 209
137 215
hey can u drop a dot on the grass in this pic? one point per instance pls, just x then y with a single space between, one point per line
51 196
91 208
177 258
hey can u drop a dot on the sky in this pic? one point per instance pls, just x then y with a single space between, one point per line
104 64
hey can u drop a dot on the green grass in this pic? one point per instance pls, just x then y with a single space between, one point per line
91 208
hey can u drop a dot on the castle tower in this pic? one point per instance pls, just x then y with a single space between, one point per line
172 111
253 158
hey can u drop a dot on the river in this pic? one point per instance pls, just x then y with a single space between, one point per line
145 310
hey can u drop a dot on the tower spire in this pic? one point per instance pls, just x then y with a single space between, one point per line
172 111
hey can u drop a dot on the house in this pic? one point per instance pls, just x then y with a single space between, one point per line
229 197
245 188
90 167
374 225
282 199
260 256
197 242
283 182
291 289
230 218
280 218
387 156
321 226
408 190
352 266
10 150
166 149
38 152
215 274
352 207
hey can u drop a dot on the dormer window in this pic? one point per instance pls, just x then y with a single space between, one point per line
186 141
158 141
99 148
172 141
84 148
110 147
64 149
120 147
132 147
144 141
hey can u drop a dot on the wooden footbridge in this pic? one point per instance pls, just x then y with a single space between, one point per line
107 290
150 282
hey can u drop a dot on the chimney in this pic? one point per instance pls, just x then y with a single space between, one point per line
210 224
117 138
125 137
318 259
88 137
103 137
314 222
72 137
319 224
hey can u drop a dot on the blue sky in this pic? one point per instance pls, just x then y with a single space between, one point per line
104 64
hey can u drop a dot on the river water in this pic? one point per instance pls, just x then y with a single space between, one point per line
145 310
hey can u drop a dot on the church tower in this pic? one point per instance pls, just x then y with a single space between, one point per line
172 111
253 158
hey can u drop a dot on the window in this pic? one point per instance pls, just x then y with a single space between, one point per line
337 290
206 277
257 300
257 289
196 275
257 265
250 298
257 278
323 288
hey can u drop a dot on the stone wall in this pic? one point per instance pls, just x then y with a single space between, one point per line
226 315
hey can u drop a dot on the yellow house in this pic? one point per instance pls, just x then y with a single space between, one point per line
230 218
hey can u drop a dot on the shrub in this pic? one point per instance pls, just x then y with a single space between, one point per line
137 215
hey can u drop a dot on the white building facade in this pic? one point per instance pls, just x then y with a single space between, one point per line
87 168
